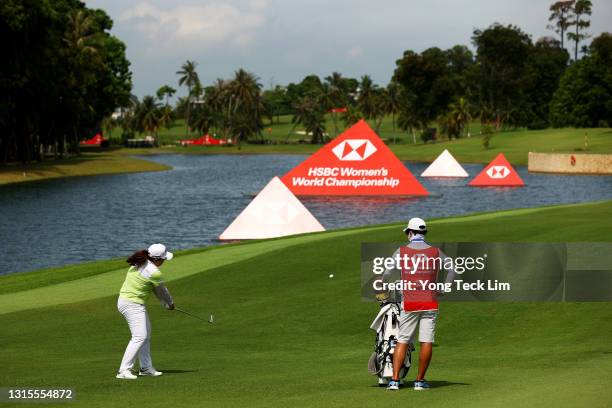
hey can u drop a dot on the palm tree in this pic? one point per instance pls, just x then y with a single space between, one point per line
241 126
80 36
460 112
449 125
351 116
189 77
166 116
393 102
245 104
82 42
148 115
408 121
216 98
203 119
166 91
245 88
309 114
109 124
336 95
380 109
366 101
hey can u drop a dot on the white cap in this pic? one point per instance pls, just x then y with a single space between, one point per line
159 251
416 224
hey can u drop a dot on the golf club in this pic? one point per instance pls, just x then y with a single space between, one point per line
210 320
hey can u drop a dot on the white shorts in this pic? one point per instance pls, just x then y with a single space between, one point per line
427 326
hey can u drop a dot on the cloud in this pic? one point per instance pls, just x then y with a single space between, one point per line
201 26
354 52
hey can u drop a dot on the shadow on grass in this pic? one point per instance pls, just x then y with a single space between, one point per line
434 384
177 371
438 384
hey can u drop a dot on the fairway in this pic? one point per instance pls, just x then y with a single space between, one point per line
286 334
91 162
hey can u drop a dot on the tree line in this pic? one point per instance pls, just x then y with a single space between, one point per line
62 73
509 81
233 108
66 78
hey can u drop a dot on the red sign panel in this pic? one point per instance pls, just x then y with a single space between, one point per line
355 163
498 173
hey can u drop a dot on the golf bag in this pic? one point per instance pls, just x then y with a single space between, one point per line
386 325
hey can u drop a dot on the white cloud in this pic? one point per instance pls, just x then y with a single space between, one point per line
201 26
354 52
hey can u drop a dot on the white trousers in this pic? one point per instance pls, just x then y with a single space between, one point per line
140 345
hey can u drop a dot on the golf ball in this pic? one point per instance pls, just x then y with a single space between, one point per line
331 275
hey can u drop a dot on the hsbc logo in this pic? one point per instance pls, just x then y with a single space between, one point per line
498 172
277 213
354 150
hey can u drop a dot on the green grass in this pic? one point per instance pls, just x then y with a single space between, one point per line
282 130
286 335
93 161
515 144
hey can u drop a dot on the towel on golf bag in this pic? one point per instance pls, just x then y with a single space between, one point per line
380 317
386 325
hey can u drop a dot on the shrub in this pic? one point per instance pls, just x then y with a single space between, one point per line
487 134
428 134
537 124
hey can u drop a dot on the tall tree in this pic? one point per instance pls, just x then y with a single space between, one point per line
584 95
580 12
367 99
277 102
545 66
81 36
245 88
148 115
461 115
245 104
337 96
461 63
393 103
63 73
188 76
165 91
408 121
309 113
426 82
502 57
560 17
337 89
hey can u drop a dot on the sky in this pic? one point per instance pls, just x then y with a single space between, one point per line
283 41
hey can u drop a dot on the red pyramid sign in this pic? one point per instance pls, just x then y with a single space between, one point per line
357 162
498 173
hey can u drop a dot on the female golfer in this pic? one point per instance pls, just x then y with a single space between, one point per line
142 278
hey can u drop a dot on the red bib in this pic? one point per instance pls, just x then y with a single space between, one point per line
425 270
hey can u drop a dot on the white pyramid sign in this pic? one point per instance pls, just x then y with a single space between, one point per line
445 165
274 212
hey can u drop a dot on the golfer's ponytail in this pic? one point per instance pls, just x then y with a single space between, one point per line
138 258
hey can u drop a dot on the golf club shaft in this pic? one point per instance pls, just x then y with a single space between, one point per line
192 315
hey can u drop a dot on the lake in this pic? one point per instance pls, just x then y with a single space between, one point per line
72 220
